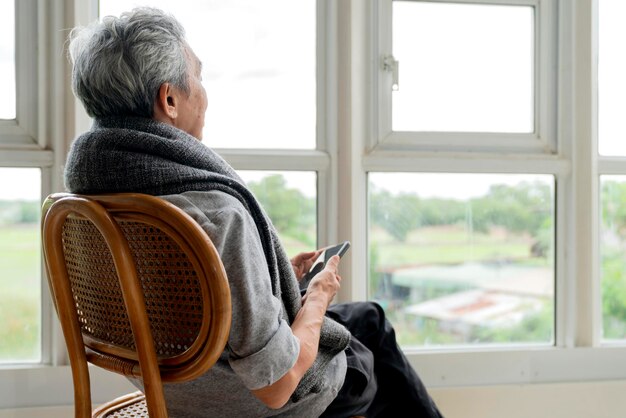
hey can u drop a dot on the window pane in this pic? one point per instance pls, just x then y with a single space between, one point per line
613 262
20 266
463 67
7 59
290 200
611 82
259 64
458 259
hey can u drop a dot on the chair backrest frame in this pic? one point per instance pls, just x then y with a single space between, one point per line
105 212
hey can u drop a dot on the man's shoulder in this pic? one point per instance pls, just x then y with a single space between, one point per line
214 200
215 205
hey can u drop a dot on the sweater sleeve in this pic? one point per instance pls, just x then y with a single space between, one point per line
261 347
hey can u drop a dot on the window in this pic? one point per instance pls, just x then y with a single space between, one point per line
466 75
289 199
612 169
463 266
26 158
613 262
461 237
611 82
20 272
7 58
457 75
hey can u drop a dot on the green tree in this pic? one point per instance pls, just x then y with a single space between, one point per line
29 212
398 215
613 294
19 212
291 212
613 195
524 207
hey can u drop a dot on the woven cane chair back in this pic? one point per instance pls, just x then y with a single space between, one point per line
140 290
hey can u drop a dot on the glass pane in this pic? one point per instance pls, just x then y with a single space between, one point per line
20 265
611 81
7 59
463 67
259 64
613 262
290 200
459 259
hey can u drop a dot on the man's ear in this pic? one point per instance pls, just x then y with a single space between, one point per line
166 104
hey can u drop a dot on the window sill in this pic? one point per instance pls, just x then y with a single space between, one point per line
521 365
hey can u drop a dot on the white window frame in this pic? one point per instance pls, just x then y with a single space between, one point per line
29 139
543 137
578 353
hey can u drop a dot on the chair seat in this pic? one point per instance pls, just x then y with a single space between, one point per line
129 405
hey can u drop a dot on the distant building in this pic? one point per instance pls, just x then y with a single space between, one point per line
468 295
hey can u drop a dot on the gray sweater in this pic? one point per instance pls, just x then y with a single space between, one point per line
261 346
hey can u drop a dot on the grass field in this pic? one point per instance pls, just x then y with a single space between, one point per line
20 293
446 245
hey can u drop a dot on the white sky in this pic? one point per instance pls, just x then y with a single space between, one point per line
258 67
20 183
449 185
463 67
7 59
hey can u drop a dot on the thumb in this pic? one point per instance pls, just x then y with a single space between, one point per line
333 263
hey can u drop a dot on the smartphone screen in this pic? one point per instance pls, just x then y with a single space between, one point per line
320 263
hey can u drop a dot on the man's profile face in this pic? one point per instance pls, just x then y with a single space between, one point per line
193 106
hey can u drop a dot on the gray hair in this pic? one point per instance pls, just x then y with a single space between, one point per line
118 64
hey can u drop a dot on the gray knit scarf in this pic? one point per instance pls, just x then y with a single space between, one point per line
130 154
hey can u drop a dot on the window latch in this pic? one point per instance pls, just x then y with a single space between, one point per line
390 64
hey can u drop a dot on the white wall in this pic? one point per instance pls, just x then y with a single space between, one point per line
568 400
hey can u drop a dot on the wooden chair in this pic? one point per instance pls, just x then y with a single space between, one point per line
139 289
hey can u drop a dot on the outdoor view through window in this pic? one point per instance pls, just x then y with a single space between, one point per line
20 269
461 259
611 143
20 264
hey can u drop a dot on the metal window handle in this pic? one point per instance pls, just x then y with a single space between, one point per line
391 64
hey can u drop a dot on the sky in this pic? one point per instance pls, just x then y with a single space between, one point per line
7 60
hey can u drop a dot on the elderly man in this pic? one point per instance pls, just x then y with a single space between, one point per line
286 355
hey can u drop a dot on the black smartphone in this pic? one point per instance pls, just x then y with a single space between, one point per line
320 263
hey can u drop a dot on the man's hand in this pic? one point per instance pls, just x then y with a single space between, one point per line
325 285
302 262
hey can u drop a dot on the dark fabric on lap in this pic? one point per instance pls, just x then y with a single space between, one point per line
395 388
